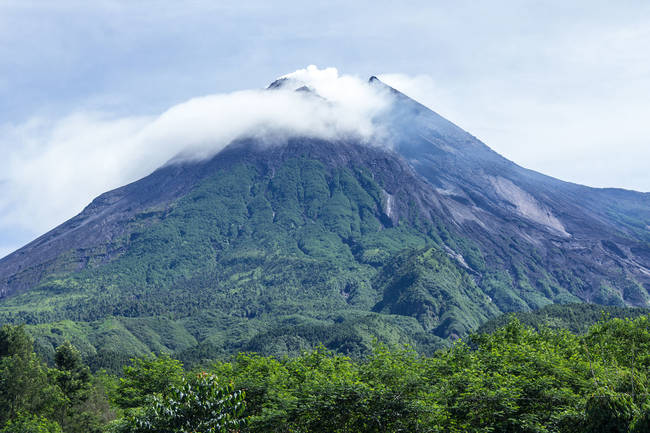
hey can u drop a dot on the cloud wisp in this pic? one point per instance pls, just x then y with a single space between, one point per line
55 167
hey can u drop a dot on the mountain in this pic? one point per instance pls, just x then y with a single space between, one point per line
276 246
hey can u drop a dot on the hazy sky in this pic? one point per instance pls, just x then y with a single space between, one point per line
560 87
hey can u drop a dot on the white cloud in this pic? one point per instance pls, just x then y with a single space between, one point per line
53 168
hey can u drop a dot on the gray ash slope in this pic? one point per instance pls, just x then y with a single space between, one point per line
464 235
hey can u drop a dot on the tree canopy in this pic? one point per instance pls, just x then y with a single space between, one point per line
516 379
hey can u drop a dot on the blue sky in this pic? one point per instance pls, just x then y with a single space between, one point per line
560 87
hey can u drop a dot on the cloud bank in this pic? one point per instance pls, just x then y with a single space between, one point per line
54 167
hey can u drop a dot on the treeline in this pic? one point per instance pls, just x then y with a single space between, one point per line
576 318
516 379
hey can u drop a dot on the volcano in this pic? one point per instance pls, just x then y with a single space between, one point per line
277 244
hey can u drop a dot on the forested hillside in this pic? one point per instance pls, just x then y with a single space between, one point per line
515 379
577 318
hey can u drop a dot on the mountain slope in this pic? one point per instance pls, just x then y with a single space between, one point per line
515 215
277 246
267 233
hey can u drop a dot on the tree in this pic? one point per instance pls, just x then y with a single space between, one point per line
73 376
15 341
202 405
145 377
75 381
25 382
609 413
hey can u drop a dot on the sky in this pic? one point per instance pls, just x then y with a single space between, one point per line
86 87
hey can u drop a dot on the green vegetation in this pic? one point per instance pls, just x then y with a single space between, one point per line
515 379
272 262
198 405
576 318
35 398
280 258
425 284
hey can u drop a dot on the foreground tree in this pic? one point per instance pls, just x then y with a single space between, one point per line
201 405
25 382
609 413
73 377
147 376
